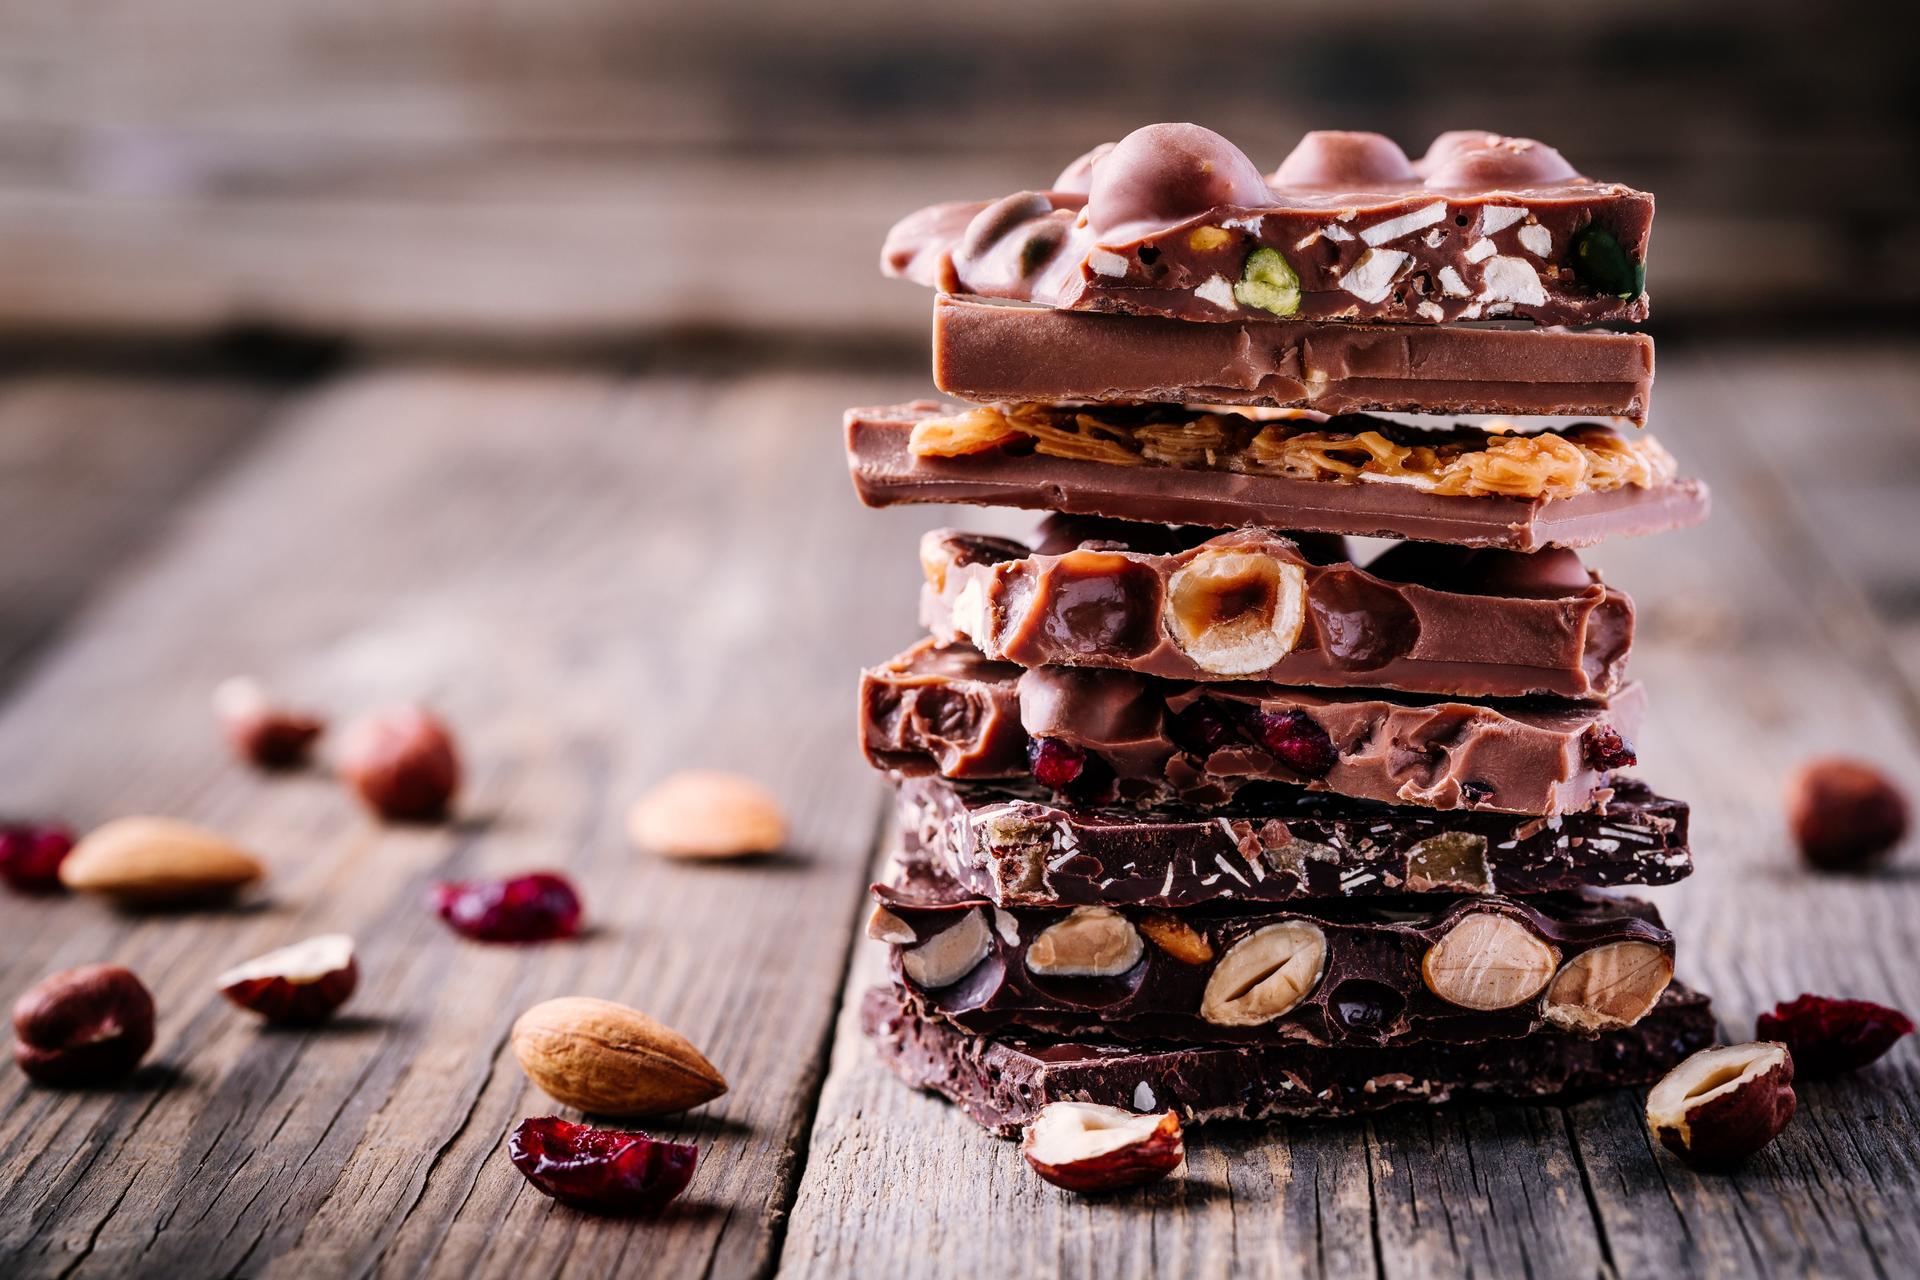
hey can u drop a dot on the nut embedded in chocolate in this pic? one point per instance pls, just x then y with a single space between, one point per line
1338 157
951 954
1236 613
1488 961
1167 172
1609 987
1175 937
1722 1105
1092 942
884 926
1084 1146
1265 974
1844 814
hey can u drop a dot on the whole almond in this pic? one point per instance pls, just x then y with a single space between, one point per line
706 814
152 862
607 1059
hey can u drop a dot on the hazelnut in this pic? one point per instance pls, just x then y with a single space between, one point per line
1488 961
1084 1146
949 955
1265 974
1176 937
402 762
884 926
1844 814
263 732
1609 987
303 983
1721 1105
84 1026
1235 613
702 813
1092 942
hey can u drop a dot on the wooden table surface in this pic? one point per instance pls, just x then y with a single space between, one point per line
601 577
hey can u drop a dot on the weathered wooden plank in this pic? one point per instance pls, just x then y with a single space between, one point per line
597 583
1748 677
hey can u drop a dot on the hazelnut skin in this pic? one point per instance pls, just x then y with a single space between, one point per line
83 1026
402 762
1845 815
1166 172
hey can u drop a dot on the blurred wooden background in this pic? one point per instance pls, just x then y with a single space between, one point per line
593 171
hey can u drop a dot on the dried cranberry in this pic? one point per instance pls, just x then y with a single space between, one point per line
1606 749
1203 728
1297 741
1828 1036
530 908
608 1170
30 856
1055 762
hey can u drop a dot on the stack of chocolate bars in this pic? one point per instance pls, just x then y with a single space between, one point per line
1199 808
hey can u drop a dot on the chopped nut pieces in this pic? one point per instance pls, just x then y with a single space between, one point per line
158 862
1609 987
303 983
1721 1105
1488 961
1086 1147
1265 974
707 814
1461 462
607 1059
951 954
1092 942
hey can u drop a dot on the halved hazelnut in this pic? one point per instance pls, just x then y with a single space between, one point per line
1609 987
1488 961
1176 937
1265 974
884 926
1092 942
951 954
1084 1146
1236 613
1721 1105
302 983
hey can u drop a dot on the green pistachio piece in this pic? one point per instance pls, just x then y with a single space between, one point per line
1603 265
1268 282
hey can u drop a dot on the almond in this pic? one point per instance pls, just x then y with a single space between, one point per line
607 1059
705 814
141 862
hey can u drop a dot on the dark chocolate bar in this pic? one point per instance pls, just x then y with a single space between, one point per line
1333 972
1253 605
1097 735
995 350
1002 1082
1176 221
887 471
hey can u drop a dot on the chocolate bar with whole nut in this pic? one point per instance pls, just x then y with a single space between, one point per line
1321 972
1093 734
1176 221
1003 1081
1018 846
994 350
1255 604
1151 482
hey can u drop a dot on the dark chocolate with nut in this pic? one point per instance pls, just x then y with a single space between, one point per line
1004 1080
1016 846
1021 472
1092 735
1252 604
1320 972
1176 221
986 349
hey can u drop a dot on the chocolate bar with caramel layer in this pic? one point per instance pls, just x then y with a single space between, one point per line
1093 734
1004 1081
1176 221
1256 604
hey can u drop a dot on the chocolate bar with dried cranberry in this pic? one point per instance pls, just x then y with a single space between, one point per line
1003 1081
1257 604
988 350
1099 735
1365 971
1174 220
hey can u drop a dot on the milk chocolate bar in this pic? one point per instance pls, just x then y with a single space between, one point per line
1003 1081
1324 973
1148 485
989 350
1092 734
1018 846
1176 221
1254 605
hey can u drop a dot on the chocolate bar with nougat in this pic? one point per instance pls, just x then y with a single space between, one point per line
1176 221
